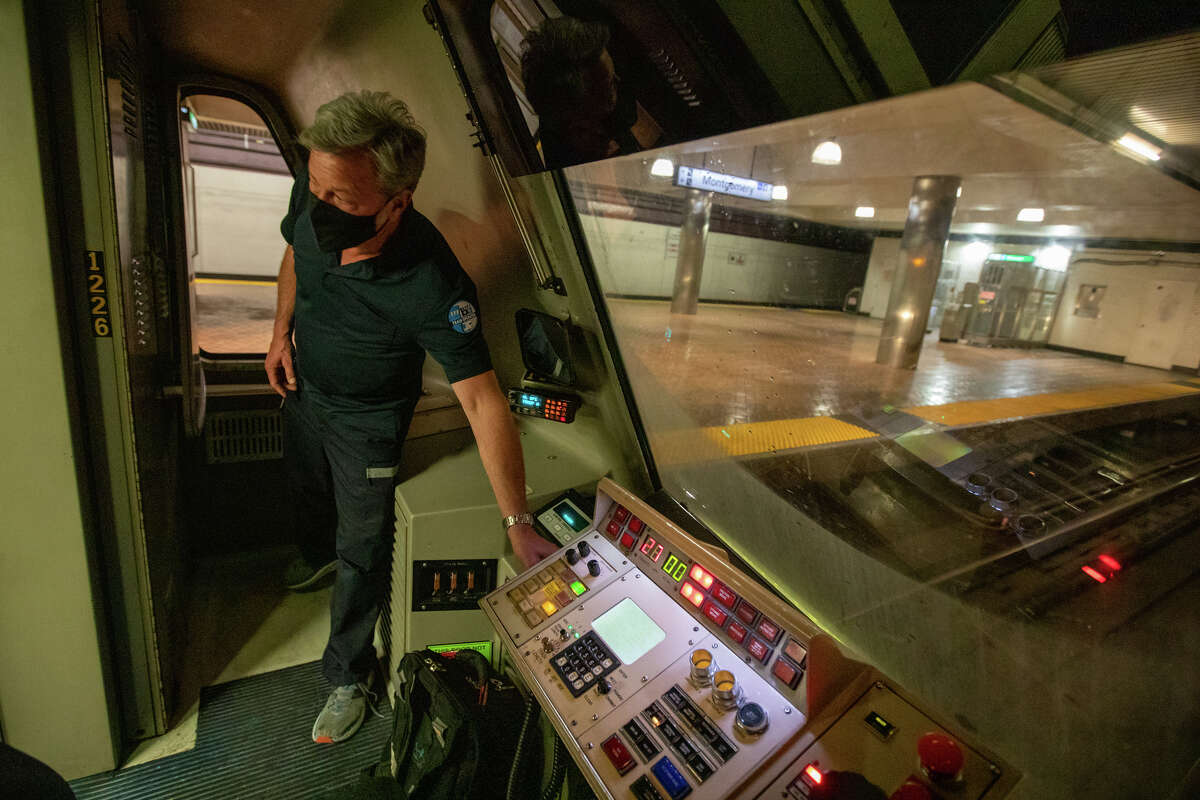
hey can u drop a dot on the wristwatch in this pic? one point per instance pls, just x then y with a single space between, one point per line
524 518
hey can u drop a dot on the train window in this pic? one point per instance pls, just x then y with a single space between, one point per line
236 189
930 365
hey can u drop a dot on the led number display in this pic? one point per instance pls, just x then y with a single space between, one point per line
647 545
675 568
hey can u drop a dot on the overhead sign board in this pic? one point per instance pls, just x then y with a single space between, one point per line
695 178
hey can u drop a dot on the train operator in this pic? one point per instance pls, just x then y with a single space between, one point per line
367 287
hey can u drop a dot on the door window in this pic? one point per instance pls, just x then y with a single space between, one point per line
236 189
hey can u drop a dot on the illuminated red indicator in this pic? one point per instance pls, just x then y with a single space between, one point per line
1094 575
813 774
693 595
1110 562
701 576
648 544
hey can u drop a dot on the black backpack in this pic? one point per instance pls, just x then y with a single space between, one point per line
459 732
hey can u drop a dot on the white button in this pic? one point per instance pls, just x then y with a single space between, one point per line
572 675
606 663
577 685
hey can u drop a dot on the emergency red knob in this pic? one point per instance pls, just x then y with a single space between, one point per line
912 790
941 757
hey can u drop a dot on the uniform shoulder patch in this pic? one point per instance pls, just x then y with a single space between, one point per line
463 317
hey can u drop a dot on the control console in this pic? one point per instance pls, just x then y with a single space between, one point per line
670 674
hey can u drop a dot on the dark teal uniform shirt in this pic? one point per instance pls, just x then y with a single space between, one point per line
362 330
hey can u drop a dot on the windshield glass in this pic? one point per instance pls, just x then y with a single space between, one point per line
929 365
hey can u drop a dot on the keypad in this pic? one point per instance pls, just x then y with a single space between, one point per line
584 663
545 594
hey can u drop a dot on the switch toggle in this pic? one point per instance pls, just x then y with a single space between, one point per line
618 754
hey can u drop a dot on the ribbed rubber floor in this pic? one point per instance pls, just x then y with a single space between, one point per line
253 742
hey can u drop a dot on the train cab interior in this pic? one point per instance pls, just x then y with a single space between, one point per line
884 313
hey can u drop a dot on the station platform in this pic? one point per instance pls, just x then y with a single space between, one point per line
753 379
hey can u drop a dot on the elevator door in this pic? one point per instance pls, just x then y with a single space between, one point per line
1165 307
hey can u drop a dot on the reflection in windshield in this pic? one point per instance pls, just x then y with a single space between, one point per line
1009 527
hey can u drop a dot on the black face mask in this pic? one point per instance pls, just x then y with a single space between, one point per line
339 230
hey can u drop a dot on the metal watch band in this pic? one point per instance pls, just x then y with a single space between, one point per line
524 518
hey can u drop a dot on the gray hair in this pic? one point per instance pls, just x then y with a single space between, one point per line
377 123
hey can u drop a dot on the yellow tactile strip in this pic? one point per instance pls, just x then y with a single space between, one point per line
751 438
970 412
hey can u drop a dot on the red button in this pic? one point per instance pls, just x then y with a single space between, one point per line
618 754
613 528
941 756
786 673
795 651
746 613
768 630
912 790
724 595
758 650
636 525
736 632
714 612
627 540
621 514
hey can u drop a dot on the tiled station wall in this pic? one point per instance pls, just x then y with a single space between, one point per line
1125 300
1120 311
237 220
638 259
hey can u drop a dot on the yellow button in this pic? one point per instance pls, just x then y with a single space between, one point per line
549 608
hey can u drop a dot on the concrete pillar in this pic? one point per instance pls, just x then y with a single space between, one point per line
926 230
693 237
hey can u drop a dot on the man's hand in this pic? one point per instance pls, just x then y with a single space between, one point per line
528 545
280 372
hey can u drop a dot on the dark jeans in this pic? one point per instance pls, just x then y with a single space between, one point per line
342 458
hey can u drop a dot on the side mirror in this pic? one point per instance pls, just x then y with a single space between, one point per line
545 347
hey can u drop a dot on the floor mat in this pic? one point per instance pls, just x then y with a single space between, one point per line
253 742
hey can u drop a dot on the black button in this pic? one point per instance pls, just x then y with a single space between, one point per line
643 789
700 767
675 698
585 549
671 733
721 748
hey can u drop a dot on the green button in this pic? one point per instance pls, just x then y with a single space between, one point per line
577 587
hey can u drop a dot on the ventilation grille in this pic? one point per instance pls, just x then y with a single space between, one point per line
126 71
232 436
393 615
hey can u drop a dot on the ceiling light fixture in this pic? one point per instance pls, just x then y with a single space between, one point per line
779 192
828 153
1140 146
1031 215
662 168
864 211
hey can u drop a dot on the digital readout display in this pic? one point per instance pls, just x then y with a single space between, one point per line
675 568
880 725
652 549
570 516
531 401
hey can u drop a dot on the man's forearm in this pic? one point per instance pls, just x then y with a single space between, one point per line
285 298
500 452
